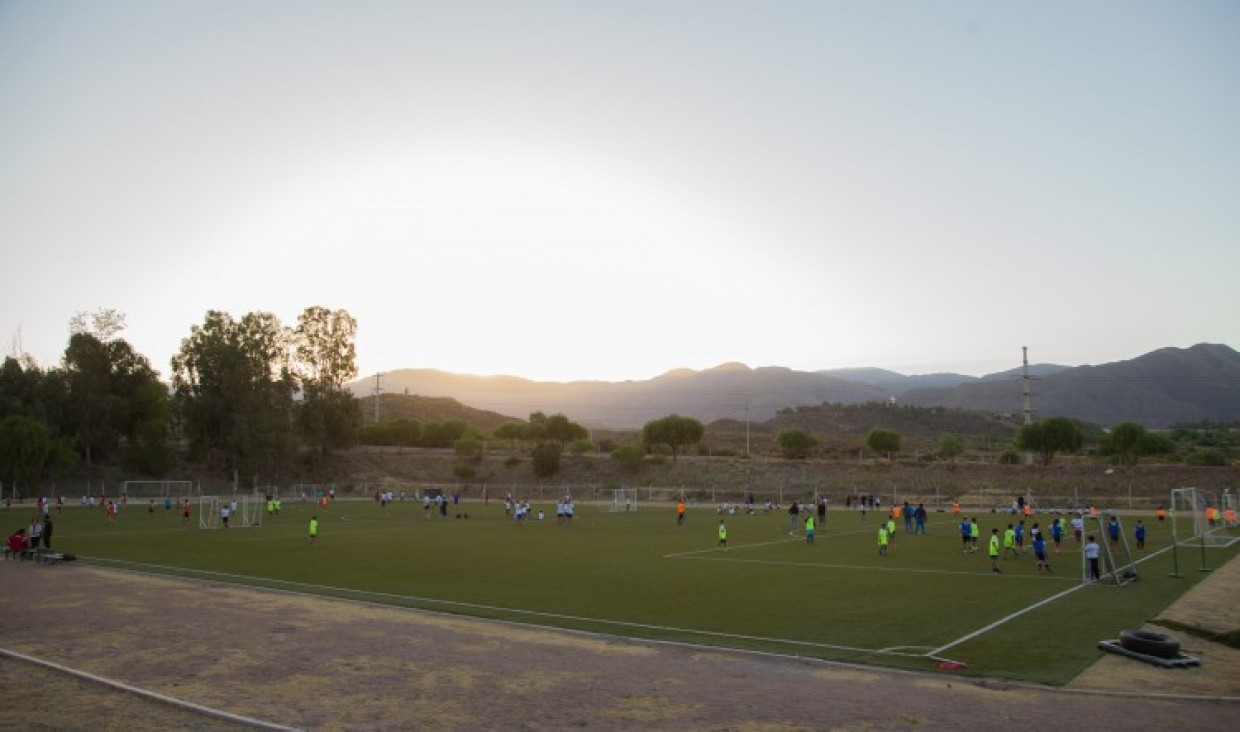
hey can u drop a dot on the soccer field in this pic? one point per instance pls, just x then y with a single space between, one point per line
638 574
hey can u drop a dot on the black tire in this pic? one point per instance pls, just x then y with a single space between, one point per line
1149 644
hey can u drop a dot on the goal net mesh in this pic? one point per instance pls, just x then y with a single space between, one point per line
623 499
243 511
1198 519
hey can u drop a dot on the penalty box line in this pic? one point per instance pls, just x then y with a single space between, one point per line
265 582
1012 616
857 567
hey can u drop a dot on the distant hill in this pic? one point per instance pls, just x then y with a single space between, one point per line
1163 388
431 409
895 383
859 419
1166 387
730 390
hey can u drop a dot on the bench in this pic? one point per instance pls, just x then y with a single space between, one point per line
47 556
22 554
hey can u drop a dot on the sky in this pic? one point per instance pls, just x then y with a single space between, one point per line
610 190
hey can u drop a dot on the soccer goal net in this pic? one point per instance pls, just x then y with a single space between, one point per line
242 511
1197 518
1115 563
178 489
623 499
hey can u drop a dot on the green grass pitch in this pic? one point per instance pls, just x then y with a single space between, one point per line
638 574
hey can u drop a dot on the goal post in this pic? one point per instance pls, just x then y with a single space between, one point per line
1115 563
244 511
623 500
1198 519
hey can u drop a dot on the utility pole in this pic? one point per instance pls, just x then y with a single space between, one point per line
378 391
746 429
1028 394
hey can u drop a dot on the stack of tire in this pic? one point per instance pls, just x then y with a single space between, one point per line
1149 644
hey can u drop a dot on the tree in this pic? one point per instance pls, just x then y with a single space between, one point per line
950 447
1049 436
883 441
234 392
443 434
116 397
796 444
27 450
325 360
546 459
469 446
406 432
629 456
1126 442
674 431
104 324
563 431
513 431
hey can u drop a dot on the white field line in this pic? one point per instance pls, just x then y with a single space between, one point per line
263 581
209 711
864 568
1022 611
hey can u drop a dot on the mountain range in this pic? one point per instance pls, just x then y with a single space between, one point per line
1159 389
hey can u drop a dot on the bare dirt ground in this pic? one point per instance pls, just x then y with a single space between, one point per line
315 663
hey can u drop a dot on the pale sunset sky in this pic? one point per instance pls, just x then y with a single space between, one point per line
609 190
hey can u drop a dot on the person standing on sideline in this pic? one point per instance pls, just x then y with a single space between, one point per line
314 530
822 510
1139 532
1091 555
994 551
809 528
47 533
723 535
680 513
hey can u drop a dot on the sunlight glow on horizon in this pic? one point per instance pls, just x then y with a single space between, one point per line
609 191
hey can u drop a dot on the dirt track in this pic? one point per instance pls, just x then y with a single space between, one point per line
325 664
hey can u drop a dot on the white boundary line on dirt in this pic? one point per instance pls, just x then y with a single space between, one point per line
120 685
259 583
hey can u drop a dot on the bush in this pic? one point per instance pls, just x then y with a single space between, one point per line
1209 457
464 471
629 456
546 458
512 462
